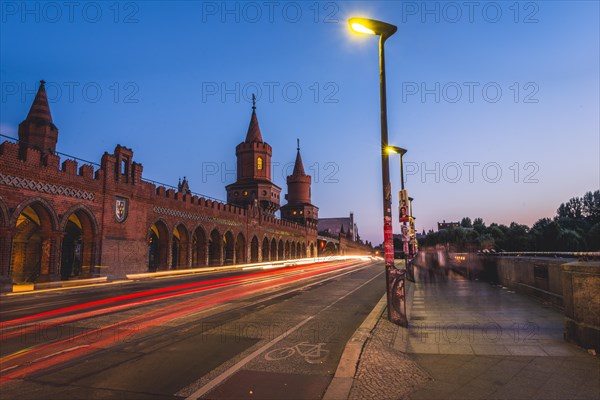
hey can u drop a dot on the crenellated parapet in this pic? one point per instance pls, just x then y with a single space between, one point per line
119 220
32 163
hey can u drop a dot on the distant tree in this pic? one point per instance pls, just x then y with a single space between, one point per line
593 238
571 209
551 236
591 207
544 234
570 240
517 238
580 225
486 241
575 227
478 225
496 233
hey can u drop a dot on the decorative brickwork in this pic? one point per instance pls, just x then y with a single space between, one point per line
58 221
195 217
44 187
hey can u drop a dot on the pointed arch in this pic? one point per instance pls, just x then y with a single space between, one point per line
287 250
240 249
180 241
199 248
254 249
34 221
280 250
273 255
37 203
299 251
79 244
266 250
158 246
228 248
215 246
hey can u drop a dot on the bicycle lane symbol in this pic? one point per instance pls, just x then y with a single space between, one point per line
312 353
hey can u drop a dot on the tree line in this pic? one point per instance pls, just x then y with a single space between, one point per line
575 227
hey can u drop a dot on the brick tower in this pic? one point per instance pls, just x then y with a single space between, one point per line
299 208
254 185
37 130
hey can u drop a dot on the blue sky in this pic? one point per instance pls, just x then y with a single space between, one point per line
497 104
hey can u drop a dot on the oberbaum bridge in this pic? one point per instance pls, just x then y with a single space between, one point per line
64 221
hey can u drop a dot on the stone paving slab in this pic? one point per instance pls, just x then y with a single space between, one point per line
471 340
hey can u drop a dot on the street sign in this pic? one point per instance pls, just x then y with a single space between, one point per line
404 207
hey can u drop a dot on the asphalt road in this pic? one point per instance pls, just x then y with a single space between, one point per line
271 334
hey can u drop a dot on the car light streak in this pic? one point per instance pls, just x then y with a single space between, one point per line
21 330
153 318
126 297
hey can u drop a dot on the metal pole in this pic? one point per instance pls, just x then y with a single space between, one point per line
401 172
394 280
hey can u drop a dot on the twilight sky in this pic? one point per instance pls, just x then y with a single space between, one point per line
496 102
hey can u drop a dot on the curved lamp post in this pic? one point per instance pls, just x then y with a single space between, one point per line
402 152
395 282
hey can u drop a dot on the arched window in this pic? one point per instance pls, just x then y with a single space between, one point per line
259 163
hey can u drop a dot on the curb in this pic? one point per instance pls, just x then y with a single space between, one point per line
341 384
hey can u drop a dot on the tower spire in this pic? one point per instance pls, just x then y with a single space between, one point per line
298 165
37 130
253 134
40 110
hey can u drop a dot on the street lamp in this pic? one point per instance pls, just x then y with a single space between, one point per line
402 152
396 312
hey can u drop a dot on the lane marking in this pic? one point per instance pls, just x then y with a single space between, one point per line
60 352
141 317
62 288
8 369
236 367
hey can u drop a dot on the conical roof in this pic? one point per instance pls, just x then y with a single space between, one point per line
253 134
298 166
40 110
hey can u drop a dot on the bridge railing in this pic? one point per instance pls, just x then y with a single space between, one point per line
551 254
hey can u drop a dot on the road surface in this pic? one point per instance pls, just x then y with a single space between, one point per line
259 333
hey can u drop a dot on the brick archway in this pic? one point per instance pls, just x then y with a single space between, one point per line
158 246
228 248
280 250
79 248
180 241
240 249
199 248
34 254
273 252
266 249
215 246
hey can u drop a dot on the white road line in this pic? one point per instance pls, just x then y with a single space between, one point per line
8 369
236 367
60 352
278 293
37 306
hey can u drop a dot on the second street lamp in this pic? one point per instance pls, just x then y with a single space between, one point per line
394 277
402 152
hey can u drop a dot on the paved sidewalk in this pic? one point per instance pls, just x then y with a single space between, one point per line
470 340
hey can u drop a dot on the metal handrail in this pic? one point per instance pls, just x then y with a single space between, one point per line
156 183
16 140
55 152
